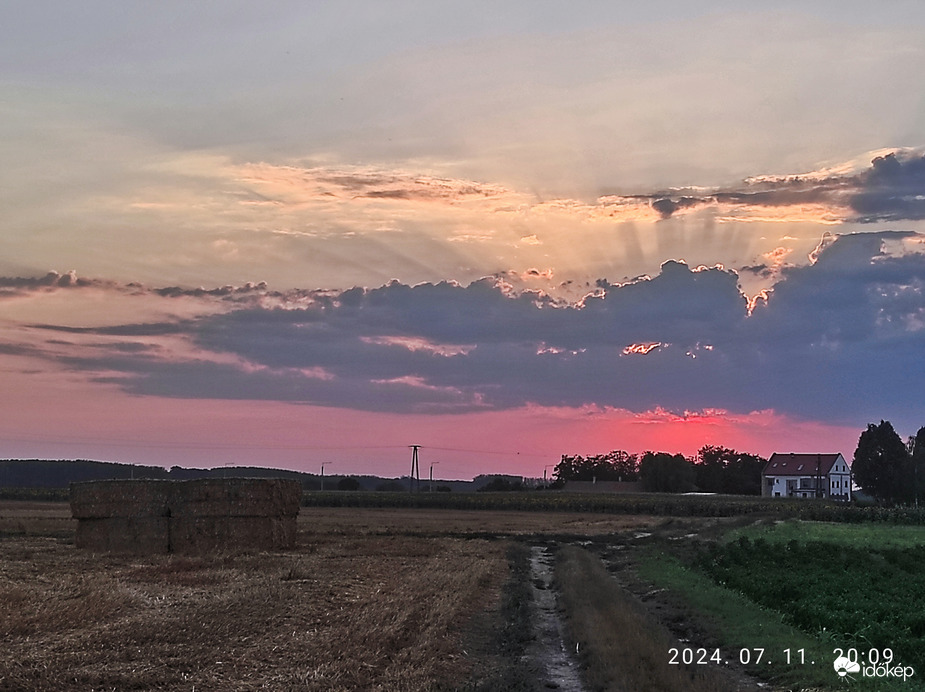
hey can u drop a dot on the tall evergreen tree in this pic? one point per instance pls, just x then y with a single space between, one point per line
882 464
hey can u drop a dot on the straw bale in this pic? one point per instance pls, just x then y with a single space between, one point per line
120 498
236 497
203 515
139 535
194 535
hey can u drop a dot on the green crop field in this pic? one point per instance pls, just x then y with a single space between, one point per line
807 591
870 535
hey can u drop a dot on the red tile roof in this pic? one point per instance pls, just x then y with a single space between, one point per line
799 464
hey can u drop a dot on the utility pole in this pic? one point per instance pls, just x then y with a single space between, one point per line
322 475
548 466
415 468
432 475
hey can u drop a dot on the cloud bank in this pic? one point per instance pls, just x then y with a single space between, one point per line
891 189
839 340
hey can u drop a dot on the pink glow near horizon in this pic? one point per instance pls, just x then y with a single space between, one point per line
524 441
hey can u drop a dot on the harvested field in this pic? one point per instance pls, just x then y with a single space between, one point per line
428 522
36 519
346 610
370 599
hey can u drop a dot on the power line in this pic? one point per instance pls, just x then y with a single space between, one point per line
492 451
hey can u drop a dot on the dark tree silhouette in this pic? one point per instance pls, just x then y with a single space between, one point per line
348 483
724 470
666 473
917 452
882 464
613 466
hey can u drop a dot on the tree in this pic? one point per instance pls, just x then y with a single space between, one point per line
724 470
710 468
666 473
743 475
613 466
501 484
882 464
348 483
917 454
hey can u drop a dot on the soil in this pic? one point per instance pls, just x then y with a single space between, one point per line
549 652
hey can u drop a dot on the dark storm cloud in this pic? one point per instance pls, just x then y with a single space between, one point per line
840 339
892 189
666 206
11 286
142 329
222 291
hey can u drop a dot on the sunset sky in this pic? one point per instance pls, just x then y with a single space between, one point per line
293 233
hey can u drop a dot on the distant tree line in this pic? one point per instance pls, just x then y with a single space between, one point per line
714 470
59 474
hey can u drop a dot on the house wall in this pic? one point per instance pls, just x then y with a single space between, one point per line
836 484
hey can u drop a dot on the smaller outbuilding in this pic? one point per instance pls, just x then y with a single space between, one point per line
807 475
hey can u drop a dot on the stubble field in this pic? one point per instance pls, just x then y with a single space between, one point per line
371 599
449 599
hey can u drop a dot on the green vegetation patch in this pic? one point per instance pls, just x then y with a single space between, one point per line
745 632
868 535
859 597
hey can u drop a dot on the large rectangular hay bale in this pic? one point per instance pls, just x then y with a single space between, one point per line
236 497
194 535
196 516
120 498
138 535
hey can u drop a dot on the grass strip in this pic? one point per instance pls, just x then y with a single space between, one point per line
621 647
505 665
867 535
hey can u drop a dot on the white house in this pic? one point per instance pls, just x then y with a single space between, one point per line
807 475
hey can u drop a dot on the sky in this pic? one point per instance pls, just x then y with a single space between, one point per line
290 234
